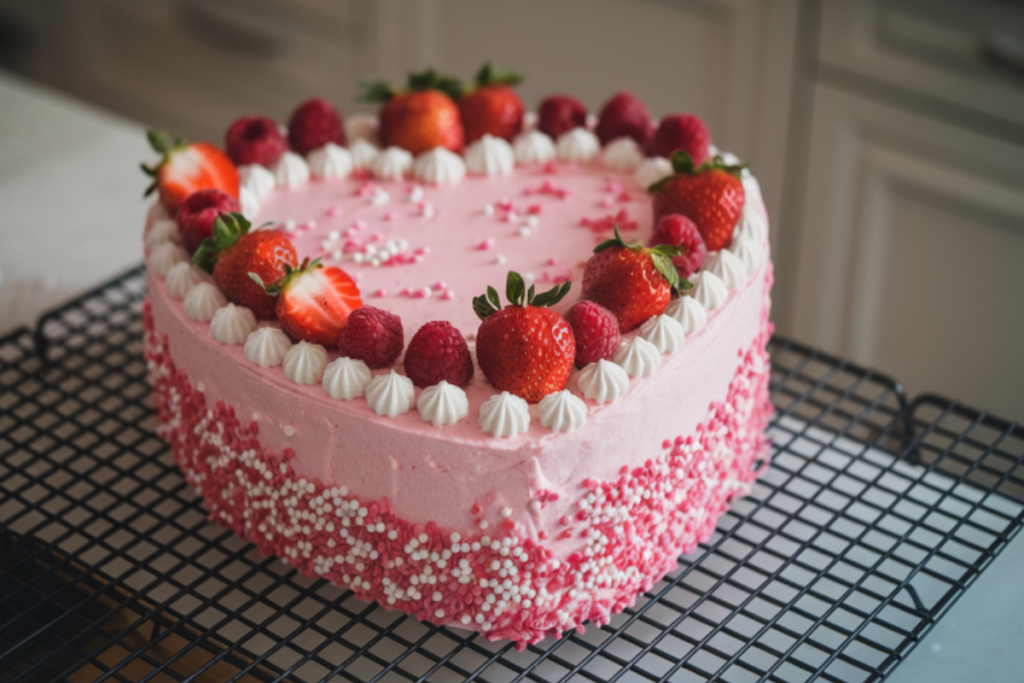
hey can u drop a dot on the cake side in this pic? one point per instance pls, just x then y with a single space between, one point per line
629 528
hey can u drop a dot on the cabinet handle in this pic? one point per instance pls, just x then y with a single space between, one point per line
1004 54
227 29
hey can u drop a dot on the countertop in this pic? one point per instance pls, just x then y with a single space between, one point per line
71 215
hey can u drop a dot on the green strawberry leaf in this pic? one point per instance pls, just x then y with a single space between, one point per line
515 288
492 296
482 307
664 265
682 163
378 92
668 250
158 141
611 242
207 254
431 80
552 296
685 287
488 76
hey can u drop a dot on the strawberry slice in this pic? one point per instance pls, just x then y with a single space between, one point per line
313 302
186 168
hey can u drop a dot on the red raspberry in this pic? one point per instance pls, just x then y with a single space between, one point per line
197 214
255 140
438 352
624 115
681 131
559 114
315 123
372 336
596 330
679 231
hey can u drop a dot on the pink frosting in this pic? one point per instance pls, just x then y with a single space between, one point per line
459 478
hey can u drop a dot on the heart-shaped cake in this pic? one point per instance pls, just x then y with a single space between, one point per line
498 378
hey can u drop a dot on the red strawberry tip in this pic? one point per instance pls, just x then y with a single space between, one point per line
661 257
518 295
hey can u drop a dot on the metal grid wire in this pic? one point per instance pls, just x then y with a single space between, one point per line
873 518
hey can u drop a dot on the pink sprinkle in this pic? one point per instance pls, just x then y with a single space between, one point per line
439 285
505 204
359 225
448 295
381 293
552 261
486 244
334 211
389 216
377 237
559 279
625 197
510 217
607 203
311 225
367 190
352 245
421 251
533 209
550 168
544 277
613 187
349 232
405 292
421 293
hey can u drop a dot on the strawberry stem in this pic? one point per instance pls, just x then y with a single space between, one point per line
518 295
489 76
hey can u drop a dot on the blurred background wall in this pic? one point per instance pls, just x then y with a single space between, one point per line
888 135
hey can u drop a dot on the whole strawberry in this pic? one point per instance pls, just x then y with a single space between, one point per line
630 280
492 108
313 302
372 335
438 352
255 140
233 252
711 195
596 330
313 124
422 117
187 168
559 114
624 115
679 231
197 214
524 348
681 132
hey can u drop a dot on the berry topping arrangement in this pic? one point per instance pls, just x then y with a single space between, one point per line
382 177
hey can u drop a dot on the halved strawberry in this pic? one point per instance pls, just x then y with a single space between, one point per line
233 252
313 302
630 280
186 168
524 348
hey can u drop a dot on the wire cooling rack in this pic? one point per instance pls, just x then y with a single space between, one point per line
875 515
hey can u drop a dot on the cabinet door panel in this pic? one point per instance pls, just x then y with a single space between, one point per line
911 251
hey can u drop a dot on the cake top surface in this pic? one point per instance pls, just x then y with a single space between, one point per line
542 222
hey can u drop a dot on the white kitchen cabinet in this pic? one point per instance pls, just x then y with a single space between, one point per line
911 251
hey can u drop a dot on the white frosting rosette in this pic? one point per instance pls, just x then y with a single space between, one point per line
330 162
203 300
533 147
291 170
562 411
504 415
391 394
638 357
442 404
689 313
577 146
267 346
346 378
490 156
622 154
439 166
165 256
603 381
394 163
304 363
232 324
